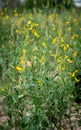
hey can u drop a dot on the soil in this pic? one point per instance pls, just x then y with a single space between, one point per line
70 123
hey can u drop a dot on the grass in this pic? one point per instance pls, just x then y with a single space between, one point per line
39 63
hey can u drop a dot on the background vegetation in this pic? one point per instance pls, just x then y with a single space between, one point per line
48 3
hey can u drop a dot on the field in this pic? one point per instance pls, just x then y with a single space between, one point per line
40 66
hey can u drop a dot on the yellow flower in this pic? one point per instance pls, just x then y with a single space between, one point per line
15 12
62 40
59 61
52 54
18 68
17 31
6 17
60 33
74 36
77 80
29 22
2 13
61 45
3 89
22 61
66 47
30 28
35 24
70 61
43 44
16 15
67 22
39 82
77 35
41 60
75 20
54 41
69 28
63 67
35 33
74 73
24 51
75 54
54 28
66 56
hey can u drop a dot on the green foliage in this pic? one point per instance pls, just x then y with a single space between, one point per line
39 61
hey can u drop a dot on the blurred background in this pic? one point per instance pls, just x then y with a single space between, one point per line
39 4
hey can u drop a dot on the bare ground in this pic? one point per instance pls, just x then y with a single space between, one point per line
70 123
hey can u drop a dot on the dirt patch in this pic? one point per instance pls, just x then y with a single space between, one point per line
70 123
3 116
